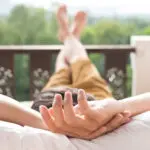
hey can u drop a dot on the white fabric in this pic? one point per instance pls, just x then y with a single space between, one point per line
139 63
133 136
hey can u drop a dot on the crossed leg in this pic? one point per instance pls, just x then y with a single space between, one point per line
73 67
63 75
12 111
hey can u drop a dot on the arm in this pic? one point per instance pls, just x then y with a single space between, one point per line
87 119
13 111
137 104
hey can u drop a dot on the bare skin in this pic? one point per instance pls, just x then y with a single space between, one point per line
86 120
79 24
13 111
75 52
63 22
72 121
71 53
95 112
63 25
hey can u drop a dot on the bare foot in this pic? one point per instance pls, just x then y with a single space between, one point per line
79 23
63 33
63 22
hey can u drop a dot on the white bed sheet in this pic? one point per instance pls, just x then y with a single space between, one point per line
133 136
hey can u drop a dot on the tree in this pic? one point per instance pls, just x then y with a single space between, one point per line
29 25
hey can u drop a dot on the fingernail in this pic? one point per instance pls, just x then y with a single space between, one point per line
57 100
54 101
80 94
68 96
41 108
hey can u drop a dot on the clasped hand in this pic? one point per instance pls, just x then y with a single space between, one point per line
87 120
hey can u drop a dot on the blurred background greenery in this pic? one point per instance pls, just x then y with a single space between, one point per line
31 26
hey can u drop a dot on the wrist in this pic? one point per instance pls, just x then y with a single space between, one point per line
124 105
137 104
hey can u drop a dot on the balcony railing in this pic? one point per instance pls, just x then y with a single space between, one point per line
116 60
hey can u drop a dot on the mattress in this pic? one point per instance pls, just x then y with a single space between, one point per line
132 136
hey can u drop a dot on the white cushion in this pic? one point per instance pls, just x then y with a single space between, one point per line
132 136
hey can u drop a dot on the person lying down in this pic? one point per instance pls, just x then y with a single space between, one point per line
85 107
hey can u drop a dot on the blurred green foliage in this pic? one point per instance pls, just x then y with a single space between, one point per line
28 25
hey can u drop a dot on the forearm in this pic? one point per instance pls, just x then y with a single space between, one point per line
137 104
13 111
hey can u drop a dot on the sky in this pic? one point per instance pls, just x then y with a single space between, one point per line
94 6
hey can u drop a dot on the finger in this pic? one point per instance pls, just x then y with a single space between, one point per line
69 131
97 133
51 125
64 129
88 112
105 129
69 114
51 112
58 111
85 109
113 124
127 120
47 118
126 117
82 101
66 120
77 120
116 122
126 114
77 110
